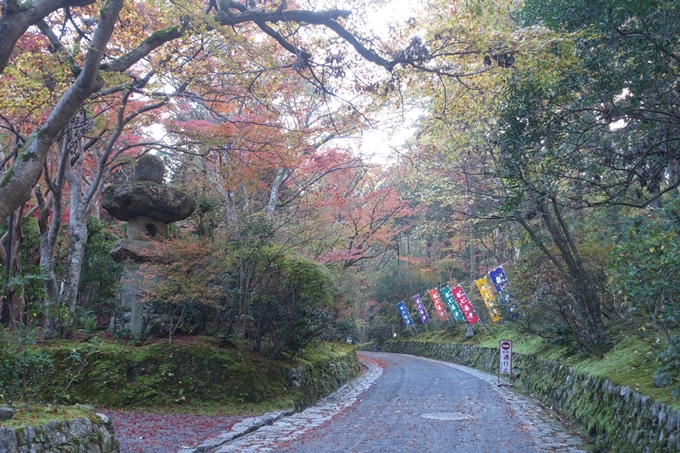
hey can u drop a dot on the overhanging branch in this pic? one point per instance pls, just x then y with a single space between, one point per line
368 54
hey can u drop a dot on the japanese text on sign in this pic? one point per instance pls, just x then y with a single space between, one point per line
451 302
437 301
499 279
489 300
465 305
421 309
404 314
505 357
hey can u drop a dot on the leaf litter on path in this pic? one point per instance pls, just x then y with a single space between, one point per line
141 432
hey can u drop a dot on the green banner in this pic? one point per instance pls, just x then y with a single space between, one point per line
451 302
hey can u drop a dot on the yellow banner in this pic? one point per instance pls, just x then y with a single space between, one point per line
489 300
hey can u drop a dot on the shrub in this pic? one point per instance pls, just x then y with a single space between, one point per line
22 367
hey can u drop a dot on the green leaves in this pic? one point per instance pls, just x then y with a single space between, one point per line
647 261
646 264
22 367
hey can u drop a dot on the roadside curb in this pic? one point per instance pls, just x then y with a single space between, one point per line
240 429
254 434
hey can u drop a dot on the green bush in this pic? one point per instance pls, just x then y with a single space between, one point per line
249 288
100 276
646 265
22 367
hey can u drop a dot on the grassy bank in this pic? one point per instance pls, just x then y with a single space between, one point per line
191 375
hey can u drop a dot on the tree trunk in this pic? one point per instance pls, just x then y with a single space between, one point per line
77 243
584 295
52 326
469 331
16 186
281 176
49 232
14 300
53 307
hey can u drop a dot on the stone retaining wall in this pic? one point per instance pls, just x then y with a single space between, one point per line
80 435
617 418
322 378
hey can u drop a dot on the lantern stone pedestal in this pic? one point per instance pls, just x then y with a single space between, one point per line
148 206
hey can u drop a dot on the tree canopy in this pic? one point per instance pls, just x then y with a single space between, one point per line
546 141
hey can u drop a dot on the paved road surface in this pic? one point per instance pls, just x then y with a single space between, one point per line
415 405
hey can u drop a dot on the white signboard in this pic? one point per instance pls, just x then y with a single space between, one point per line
505 357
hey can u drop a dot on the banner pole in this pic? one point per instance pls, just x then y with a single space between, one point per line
482 323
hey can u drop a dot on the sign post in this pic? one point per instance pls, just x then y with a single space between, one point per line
505 360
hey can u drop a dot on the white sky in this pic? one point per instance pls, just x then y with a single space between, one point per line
378 144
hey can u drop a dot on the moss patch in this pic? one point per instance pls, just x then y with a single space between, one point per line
325 372
32 415
6 178
193 374
196 372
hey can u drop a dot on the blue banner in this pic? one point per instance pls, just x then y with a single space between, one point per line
404 314
499 279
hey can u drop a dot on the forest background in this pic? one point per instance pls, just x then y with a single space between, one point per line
546 140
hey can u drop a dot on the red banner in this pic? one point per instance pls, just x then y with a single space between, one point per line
465 305
438 305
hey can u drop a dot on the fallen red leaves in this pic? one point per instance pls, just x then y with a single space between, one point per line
140 432
374 360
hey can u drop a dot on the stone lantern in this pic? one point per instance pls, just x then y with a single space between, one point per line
148 206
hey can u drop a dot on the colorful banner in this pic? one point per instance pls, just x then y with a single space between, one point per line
421 309
499 279
451 302
404 314
465 305
438 305
489 300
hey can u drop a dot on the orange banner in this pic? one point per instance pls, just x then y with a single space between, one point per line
438 305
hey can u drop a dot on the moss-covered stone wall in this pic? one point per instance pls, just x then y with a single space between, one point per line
194 372
322 377
618 419
201 371
86 435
